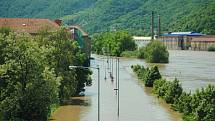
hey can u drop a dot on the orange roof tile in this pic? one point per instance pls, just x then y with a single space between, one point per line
28 25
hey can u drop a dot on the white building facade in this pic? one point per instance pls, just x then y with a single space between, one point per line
141 41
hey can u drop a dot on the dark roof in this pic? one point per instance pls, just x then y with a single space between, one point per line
28 25
172 34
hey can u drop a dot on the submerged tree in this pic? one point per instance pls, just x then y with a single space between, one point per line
156 52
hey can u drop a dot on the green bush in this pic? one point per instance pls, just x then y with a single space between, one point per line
140 71
170 91
148 76
136 68
5 31
156 52
141 52
151 75
129 54
211 48
199 106
182 104
173 91
159 87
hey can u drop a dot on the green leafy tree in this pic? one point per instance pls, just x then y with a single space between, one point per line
173 91
28 86
152 75
141 53
182 104
113 43
159 87
156 52
66 52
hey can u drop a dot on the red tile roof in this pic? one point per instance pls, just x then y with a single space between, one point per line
28 25
204 39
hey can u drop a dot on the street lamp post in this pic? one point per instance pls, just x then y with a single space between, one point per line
117 85
105 70
73 67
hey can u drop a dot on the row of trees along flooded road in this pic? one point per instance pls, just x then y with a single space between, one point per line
137 103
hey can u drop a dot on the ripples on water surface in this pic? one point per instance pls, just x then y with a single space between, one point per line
194 69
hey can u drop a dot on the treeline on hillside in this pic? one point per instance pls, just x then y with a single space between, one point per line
198 106
113 43
201 20
35 75
51 9
132 15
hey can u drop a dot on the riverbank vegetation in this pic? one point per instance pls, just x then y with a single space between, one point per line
196 106
211 48
156 52
34 74
121 43
113 43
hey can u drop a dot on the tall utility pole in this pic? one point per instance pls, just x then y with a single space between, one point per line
152 25
118 88
159 26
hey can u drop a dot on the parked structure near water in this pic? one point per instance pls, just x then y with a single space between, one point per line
203 43
141 41
178 40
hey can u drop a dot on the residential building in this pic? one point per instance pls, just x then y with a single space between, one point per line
35 26
29 25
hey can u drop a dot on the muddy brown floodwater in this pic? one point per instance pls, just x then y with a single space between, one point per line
194 69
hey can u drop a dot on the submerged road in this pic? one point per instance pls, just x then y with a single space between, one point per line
194 69
137 103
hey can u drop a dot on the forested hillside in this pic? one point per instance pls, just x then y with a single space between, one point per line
134 15
42 8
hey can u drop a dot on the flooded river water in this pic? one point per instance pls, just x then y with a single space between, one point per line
137 103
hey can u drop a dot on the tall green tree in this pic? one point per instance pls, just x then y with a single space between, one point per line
66 52
28 86
113 43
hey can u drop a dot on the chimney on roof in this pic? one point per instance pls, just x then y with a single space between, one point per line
58 22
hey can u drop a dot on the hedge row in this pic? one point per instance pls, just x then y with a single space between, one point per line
198 106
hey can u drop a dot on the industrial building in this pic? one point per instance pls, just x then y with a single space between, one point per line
179 40
203 43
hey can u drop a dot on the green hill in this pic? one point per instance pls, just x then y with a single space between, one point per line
42 8
133 15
